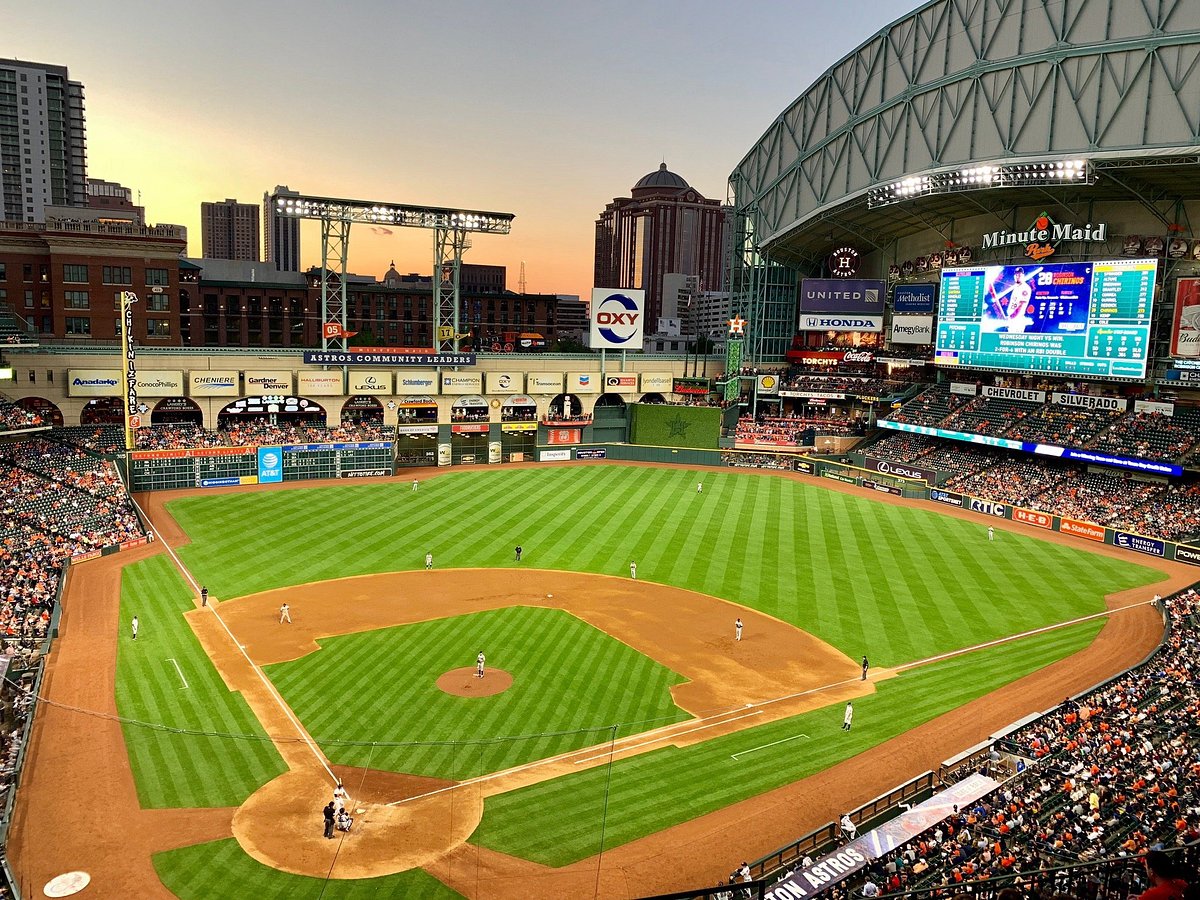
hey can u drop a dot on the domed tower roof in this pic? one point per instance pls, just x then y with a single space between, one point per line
662 179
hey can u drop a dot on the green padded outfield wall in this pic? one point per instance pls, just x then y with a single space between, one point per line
675 426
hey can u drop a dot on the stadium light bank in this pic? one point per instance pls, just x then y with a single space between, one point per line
982 177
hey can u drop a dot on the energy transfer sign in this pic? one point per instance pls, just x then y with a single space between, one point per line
617 319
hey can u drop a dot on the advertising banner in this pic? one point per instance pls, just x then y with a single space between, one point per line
191 452
843 296
1003 393
914 298
564 436
1031 517
1085 530
912 329
813 395
93 382
803 467
886 467
591 452
261 384
768 384
494 453
988 507
270 465
361 382
519 426
545 383
617 319
679 386
583 383
385 356
444 455
505 383
320 384
214 383
1152 406
620 384
882 488
1185 336
471 428
656 382
417 383
1189 555
416 429
160 384
1136 542
828 322
961 387
1089 401
462 383
948 497
554 456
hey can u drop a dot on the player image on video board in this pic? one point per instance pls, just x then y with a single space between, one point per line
1036 299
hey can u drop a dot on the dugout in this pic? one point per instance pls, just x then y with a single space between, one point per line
610 419
469 443
518 429
416 445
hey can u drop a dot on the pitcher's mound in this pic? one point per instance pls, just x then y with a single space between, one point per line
463 683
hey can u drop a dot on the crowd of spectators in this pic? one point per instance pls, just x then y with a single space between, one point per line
249 432
176 437
14 418
931 407
1152 435
106 440
989 415
1065 426
1103 499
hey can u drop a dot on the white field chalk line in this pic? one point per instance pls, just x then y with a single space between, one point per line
765 746
171 660
242 649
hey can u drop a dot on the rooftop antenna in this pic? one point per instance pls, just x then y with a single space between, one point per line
521 280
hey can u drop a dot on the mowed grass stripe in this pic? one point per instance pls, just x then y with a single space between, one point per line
558 822
223 869
817 574
173 769
379 687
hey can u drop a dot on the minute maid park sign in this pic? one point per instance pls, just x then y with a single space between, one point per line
1042 237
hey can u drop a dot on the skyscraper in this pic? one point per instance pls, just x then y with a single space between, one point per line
281 234
43 152
229 230
666 226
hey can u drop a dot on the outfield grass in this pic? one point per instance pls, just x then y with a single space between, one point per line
222 869
558 822
182 762
571 680
897 583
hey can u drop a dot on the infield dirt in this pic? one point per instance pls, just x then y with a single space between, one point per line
78 808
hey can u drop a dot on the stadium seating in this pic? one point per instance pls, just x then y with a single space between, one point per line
931 407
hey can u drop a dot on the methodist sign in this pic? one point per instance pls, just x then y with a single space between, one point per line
617 319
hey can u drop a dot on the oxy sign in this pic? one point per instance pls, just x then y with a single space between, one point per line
617 319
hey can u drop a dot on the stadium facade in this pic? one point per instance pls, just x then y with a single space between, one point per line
987 134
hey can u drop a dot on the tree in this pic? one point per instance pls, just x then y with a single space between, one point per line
365 338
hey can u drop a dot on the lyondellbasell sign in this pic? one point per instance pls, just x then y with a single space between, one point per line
1042 237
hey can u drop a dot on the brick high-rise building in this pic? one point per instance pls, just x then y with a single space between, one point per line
43 148
229 230
666 226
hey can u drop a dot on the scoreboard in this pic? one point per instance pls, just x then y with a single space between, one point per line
1090 318
156 470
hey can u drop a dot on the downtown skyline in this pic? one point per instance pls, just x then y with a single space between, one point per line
541 110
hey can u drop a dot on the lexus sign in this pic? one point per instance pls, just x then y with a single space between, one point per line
887 467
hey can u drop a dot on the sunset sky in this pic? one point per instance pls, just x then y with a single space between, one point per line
544 109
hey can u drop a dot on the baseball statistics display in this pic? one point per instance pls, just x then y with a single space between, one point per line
1087 318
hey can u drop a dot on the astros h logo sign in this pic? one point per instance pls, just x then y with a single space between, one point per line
617 318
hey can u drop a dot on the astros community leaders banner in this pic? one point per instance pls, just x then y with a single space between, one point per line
617 319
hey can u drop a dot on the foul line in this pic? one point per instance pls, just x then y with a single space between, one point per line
241 649
667 737
171 660
765 746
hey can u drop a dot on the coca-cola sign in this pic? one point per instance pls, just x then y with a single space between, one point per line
858 356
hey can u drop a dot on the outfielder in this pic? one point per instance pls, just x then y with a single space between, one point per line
991 533
633 570
428 560
133 626
415 483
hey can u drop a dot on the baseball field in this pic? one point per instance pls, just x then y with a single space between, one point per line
618 718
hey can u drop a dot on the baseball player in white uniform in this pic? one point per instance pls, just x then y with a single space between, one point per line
737 629
848 717
633 570
479 661
429 560
285 614
133 626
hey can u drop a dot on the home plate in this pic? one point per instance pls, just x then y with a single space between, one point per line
67 884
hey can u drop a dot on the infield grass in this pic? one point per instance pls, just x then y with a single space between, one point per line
222 869
570 681
898 583
205 747
558 822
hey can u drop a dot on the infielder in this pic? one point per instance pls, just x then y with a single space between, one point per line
737 629
133 626
848 717
285 614
865 665
633 570
428 560
479 661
